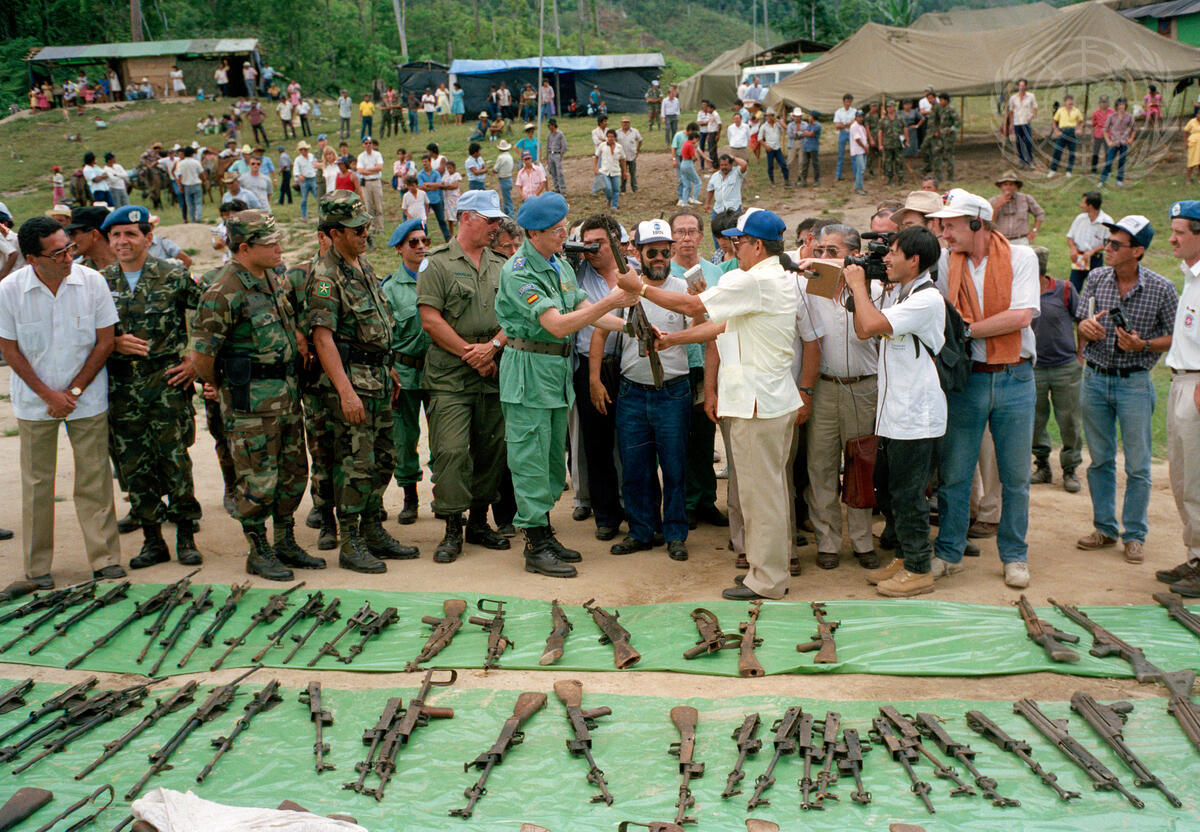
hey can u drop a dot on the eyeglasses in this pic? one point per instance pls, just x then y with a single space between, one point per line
1117 245
827 251
738 241
418 241
688 232
58 252
656 253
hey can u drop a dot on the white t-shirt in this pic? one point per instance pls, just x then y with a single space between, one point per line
1026 294
925 105
188 171
116 176
90 173
629 142
221 75
714 123
910 401
636 367
10 245
284 108
738 134
415 206
1185 346
56 333
1022 107
370 159
858 133
260 186
428 102
670 106
844 115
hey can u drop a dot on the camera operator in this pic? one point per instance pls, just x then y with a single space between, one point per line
911 416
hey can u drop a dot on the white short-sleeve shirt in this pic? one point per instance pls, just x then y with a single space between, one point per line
910 403
1185 345
1026 294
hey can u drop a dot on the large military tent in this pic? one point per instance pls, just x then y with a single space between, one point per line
983 20
1079 45
718 82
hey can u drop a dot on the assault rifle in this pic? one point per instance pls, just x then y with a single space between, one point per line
320 718
85 592
570 693
850 762
1055 730
79 804
829 752
1177 611
14 697
808 749
685 718
908 731
109 598
904 752
747 744
183 592
1109 722
416 715
560 626
613 633
712 637
982 725
748 665
1046 634
443 631
44 601
325 616
930 726
311 606
223 615
267 613
822 641
202 603
181 698
61 701
785 730
372 737
494 627
218 701
527 705
369 629
638 325
329 648
151 605
266 699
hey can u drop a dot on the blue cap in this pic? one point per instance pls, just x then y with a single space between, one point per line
485 203
322 136
1186 209
758 223
538 212
1136 226
128 215
403 230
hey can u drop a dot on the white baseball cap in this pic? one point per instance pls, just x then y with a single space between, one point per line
960 203
653 231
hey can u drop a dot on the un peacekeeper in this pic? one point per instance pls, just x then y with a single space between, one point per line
456 296
151 419
351 332
409 345
246 345
540 306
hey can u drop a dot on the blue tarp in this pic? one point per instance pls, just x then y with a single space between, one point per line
559 63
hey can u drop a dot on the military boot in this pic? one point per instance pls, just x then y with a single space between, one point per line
313 521
381 544
154 549
261 559
540 557
128 523
185 544
479 533
354 554
408 514
451 546
328 538
288 550
562 552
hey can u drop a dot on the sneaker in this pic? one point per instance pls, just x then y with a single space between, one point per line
1096 540
1016 574
681 204
1070 482
1134 552
883 573
939 568
693 202
1067 174
905 584
1041 474
1186 571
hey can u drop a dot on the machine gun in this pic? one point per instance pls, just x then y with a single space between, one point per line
320 718
570 693
181 698
45 601
747 743
311 606
494 627
748 666
559 628
904 752
829 751
982 725
218 701
850 762
908 731
264 700
84 592
527 705
712 637
369 629
223 615
1046 634
685 719
1177 611
329 648
785 730
14 697
117 593
637 325
416 715
930 726
1109 722
61 701
807 746
202 603
613 633
183 592
325 616
822 641
444 629
266 614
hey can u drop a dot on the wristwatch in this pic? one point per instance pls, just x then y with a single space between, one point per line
76 391
808 391
496 343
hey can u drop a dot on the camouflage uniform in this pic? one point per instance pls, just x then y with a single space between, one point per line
872 121
946 127
389 115
212 413
891 131
409 345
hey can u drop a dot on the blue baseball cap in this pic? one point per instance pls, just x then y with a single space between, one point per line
485 203
403 230
759 223
322 137
538 212
128 215
1136 226
1186 209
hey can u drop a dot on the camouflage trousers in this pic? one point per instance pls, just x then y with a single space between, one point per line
942 157
216 429
363 456
320 447
269 465
893 165
151 427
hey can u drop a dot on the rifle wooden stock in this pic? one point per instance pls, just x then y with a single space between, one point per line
823 641
1043 633
21 805
748 665
685 719
560 627
15 590
444 629
613 633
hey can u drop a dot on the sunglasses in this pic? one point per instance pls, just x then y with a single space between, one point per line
656 253
1117 245
418 241
59 252
827 251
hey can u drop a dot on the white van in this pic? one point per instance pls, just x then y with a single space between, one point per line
768 74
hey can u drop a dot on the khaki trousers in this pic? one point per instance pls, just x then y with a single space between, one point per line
733 504
372 195
840 412
762 448
1183 453
93 491
985 490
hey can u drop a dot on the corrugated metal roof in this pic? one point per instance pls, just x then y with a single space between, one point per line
145 49
1171 8
559 63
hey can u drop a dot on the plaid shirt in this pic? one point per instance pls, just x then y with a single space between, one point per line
1149 310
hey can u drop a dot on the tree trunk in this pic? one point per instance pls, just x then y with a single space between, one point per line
475 9
557 30
398 9
582 23
135 20
596 9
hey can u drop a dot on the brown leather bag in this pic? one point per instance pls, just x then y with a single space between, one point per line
858 472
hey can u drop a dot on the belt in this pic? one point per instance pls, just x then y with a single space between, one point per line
357 355
651 387
1175 372
983 367
541 347
1119 372
271 371
847 379
415 361
138 366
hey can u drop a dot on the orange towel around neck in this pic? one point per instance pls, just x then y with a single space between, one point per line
997 295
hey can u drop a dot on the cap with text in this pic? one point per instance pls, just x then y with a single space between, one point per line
1136 226
485 203
653 231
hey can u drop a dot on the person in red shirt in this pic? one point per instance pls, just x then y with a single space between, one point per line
1099 117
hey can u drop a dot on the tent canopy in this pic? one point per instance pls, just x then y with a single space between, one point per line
144 49
983 20
718 81
1080 44
559 63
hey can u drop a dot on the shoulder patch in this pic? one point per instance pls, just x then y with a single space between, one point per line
518 262
525 287
532 299
324 289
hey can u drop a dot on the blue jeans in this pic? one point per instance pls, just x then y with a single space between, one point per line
308 186
439 211
859 165
1065 139
1105 401
843 149
414 125
775 157
689 180
506 202
193 196
367 124
1004 401
476 185
652 433
1118 152
429 116
612 190
1023 136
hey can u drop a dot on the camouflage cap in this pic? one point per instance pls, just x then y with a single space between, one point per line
344 208
254 227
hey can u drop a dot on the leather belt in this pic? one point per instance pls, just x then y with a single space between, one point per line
357 355
983 367
271 371
1119 372
1175 372
125 367
370 179
415 361
847 379
541 347
651 387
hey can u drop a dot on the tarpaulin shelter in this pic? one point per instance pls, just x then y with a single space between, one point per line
417 76
983 20
622 79
718 81
1079 45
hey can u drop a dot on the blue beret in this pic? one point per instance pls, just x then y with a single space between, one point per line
129 215
540 212
403 230
1187 209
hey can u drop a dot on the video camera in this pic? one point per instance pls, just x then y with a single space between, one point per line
879 243
574 250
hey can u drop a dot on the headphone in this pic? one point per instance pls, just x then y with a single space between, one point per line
975 225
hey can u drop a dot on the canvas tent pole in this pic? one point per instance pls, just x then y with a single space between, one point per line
1087 91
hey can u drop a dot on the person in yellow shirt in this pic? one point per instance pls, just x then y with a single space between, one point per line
366 109
1066 119
1192 131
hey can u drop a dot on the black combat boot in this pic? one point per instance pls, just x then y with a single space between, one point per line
328 538
128 523
479 533
261 559
451 546
288 550
408 514
383 545
560 551
185 544
540 557
313 521
154 549
354 554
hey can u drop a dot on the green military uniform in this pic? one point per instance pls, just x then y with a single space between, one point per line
389 116
891 131
946 125
871 121
409 345
212 413
654 105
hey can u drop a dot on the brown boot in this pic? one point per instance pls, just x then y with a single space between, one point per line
883 573
905 584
